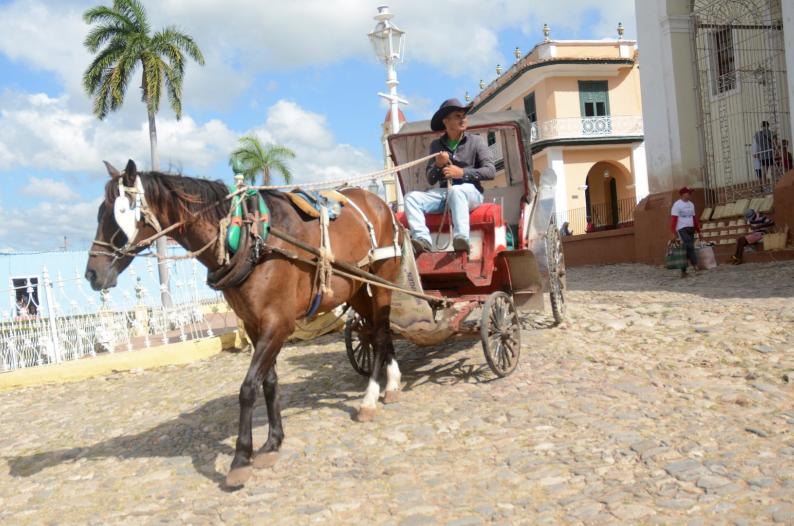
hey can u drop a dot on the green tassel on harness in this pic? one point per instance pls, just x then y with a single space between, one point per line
235 226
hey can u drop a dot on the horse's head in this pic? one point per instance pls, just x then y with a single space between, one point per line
121 223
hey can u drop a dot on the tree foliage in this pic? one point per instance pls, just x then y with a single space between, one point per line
121 40
252 158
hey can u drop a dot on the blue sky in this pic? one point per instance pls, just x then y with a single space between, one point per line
299 73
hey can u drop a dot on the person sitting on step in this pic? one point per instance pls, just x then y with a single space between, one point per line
759 225
463 160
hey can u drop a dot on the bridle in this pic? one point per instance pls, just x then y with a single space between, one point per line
128 213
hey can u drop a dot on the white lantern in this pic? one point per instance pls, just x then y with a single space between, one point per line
387 40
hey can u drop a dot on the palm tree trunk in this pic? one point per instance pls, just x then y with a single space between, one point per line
161 243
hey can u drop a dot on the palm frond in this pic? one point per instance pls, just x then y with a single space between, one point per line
173 85
171 36
105 15
152 81
135 11
99 35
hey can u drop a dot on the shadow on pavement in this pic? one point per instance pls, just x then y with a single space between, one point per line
331 382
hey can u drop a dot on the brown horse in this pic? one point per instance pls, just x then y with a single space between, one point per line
276 294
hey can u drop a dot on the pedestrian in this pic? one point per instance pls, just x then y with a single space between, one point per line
763 151
463 160
759 225
684 225
565 230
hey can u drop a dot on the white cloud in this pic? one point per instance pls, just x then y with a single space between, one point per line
318 157
43 134
76 221
48 189
243 37
37 131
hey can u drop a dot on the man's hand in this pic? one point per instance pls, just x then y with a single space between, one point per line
442 159
673 237
452 172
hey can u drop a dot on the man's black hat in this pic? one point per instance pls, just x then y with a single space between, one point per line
447 107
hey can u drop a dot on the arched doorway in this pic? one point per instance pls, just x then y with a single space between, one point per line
609 195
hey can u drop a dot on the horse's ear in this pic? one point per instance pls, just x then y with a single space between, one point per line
111 170
130 173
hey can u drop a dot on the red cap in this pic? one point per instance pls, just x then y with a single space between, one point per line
685 190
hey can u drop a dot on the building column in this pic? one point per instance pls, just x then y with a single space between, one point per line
555 162
788 44
640 170
670 110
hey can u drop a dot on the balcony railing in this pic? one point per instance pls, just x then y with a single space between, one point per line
579 128
602 216
586 127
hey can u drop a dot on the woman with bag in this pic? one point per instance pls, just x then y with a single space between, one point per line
684 224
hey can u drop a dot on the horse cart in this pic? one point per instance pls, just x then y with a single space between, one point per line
515 258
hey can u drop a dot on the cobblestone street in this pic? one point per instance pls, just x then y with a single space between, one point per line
660 401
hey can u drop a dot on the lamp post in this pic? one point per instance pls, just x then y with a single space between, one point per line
388 41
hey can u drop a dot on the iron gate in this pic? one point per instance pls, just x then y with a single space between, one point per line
740 78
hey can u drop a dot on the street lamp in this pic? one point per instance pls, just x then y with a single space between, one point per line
388 41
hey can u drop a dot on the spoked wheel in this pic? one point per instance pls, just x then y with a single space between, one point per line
358 340
500 331
556 262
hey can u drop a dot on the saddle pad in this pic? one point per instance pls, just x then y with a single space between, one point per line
309 202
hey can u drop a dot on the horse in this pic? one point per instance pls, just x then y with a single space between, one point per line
277 292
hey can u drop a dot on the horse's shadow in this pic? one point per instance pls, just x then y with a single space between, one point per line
189 434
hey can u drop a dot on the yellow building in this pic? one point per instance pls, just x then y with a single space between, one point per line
583 100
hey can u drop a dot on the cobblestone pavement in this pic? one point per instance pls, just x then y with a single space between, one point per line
661 401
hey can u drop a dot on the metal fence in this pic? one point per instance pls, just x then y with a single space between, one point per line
57 318
601 216
740 71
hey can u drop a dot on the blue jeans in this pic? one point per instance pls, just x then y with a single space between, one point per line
463 198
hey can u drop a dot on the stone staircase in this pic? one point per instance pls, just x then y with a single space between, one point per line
722 224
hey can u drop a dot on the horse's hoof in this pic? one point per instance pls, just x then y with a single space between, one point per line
366 414
391 397
237 477
265 460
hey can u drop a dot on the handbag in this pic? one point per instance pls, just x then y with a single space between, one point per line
676 256
706 258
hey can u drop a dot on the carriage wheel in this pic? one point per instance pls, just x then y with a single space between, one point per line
556 263
501 333
358 340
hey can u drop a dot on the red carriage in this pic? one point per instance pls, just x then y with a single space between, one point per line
516 253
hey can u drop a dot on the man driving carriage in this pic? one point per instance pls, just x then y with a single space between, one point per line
463 160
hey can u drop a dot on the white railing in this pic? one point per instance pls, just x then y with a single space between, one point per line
586 127
58 319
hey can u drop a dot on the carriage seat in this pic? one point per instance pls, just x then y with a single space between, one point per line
485 216
487 230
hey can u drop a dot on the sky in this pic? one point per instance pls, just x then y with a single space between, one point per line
299 73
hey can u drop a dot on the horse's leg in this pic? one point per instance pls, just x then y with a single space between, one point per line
392 393
268 454
268 346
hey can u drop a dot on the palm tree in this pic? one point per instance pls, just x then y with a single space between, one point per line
122 40
252 158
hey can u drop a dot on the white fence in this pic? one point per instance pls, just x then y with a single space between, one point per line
59 318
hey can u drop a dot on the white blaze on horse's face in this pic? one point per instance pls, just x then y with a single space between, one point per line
128 214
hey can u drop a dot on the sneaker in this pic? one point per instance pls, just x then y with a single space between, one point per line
735 260
420 245
460 244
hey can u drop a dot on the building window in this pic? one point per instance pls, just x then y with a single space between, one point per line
491 138
594 98
26 295
529 108
723 61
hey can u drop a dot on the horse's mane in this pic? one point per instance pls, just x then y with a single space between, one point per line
181 197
